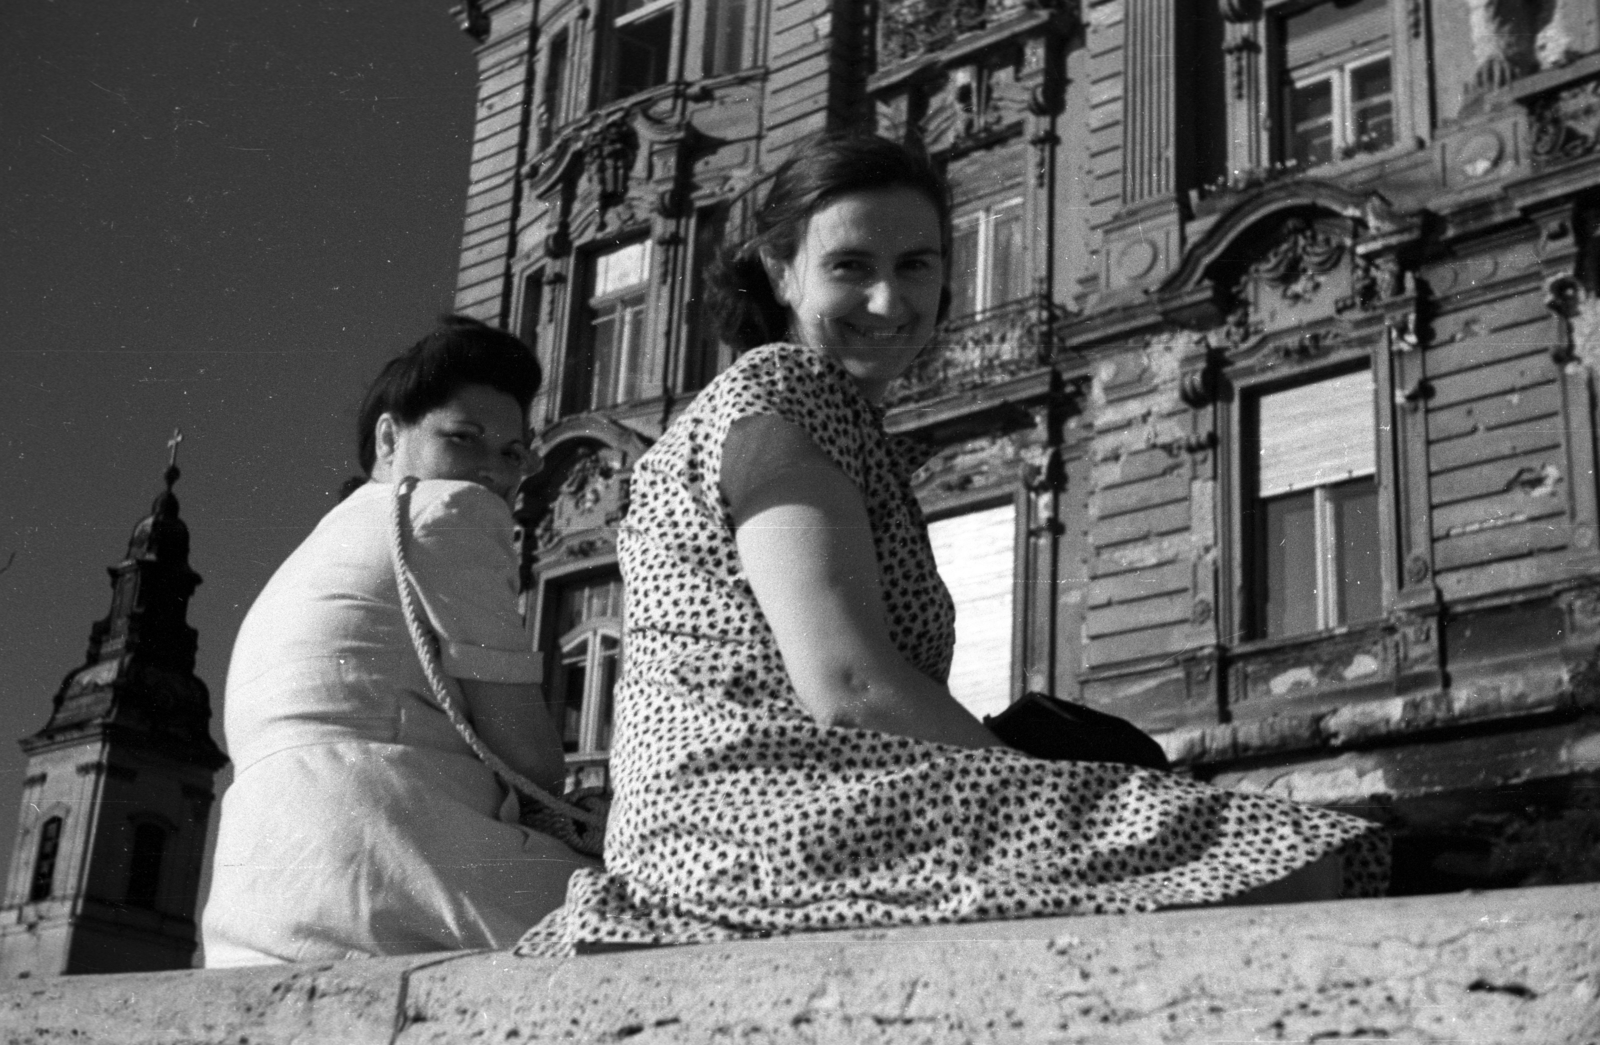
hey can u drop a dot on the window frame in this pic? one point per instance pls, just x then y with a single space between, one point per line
704 354
1339 75
42 874
607 65
146 873
984 218
1252 622
555 83
582 393
595 704
590 632
749 44
1258 72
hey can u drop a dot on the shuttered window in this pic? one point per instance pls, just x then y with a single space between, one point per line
1317 560
976 556
1317 434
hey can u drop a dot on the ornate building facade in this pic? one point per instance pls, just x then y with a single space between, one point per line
1265 412
105 870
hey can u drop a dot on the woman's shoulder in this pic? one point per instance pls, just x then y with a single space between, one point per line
460 502
431 500
781 370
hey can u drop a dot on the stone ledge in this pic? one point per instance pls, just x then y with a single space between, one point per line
1501 967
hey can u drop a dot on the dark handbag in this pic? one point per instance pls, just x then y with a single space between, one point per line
1061 731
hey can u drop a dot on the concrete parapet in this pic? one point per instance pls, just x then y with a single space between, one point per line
1495 967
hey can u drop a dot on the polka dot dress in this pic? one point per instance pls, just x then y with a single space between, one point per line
737 816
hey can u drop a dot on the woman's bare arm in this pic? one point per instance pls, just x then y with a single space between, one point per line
803 536
512 720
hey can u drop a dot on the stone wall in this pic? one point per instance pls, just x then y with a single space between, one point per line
1503 967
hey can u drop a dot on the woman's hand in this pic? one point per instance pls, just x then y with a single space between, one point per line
803 536
513 721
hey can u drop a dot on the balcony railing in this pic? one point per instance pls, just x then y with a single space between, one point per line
909 28
975 351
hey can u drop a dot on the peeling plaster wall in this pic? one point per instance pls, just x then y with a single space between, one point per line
1152 527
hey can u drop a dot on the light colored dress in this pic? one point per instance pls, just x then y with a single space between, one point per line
737 815
358 821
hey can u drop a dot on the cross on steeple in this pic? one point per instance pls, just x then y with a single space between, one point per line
172 457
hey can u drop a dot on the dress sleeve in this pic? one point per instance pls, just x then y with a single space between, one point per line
804 388
465 570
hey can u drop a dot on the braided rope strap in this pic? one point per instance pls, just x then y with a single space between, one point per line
580 828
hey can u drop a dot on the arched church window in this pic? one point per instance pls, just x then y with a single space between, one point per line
144 865
44 864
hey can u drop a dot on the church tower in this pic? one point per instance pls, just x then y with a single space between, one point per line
105 871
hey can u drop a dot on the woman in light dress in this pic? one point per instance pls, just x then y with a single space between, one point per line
359 822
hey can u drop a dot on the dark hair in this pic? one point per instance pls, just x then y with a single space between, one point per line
748 310
459 351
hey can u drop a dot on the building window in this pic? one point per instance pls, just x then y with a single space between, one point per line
704 357
44 864
975 553
1314 515
613 358
144 865
987 259
551 114
638 47
730 36
589 650
1339 81
532 307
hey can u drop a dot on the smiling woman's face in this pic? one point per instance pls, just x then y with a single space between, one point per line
865 282
476 435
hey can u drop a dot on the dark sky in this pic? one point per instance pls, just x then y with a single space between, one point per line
221 215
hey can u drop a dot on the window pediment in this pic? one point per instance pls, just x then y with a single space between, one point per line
571 505
1298 270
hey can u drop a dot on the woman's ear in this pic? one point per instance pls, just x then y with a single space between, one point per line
385 435
779 274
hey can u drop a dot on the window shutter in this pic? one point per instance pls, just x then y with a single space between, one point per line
975 553
1317 434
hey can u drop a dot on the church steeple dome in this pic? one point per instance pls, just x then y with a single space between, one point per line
138 671
162 534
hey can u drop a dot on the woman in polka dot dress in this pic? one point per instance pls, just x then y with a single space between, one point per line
786 755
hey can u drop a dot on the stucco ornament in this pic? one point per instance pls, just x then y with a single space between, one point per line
1511 38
